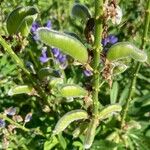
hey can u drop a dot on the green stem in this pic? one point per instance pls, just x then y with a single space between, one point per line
8 49
20 63
137 68
4 117
97 50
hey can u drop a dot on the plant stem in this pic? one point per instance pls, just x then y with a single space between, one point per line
12 122
4 117
97 50
137 68
20 63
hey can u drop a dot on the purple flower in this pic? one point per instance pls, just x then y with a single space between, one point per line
55 52
2 123
11 111
43 58
60 57
49 24
34 27
87 73
111 39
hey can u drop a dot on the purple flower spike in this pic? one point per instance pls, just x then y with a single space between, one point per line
2 123
49 24
11 111
35 26
87 73
44 57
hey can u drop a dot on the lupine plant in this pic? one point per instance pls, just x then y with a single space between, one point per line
78 79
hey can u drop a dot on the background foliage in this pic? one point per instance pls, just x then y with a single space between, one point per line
44 119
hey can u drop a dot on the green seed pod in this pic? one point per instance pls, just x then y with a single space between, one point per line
119 68
80 129
66 43
55 82
109 110
20 90
69 118
80 11
90 134
72 91
21 19
123 50
47 71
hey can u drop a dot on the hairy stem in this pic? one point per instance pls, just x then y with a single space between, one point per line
137 68
97 50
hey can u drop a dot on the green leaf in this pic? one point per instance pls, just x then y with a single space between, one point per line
123 50
114 93
80 11
48 145
66 43
21 19
123 96
62 141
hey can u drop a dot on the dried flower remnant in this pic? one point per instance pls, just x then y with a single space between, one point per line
11 111
112 12
28 117
17 118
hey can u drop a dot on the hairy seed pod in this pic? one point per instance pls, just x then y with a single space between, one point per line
123 50
80 11
109 110
80 129
72 90
119 68
66 43
21 19
69 118
90 134
20 90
